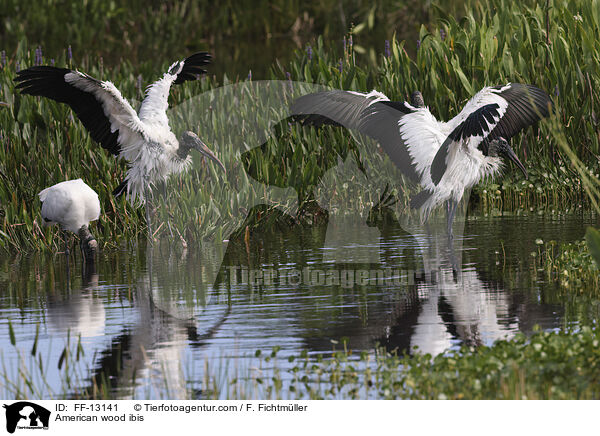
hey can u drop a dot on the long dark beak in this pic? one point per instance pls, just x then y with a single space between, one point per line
205 151
512 156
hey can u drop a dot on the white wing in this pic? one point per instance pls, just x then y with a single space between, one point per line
154 107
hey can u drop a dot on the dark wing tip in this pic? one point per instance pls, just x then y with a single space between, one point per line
32 80
527 104
121 189
192 67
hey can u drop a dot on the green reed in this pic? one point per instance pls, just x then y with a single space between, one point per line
494 42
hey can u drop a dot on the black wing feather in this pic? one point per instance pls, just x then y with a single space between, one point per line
46 81
192 67
527 104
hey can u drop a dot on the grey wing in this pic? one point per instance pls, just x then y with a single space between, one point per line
371 114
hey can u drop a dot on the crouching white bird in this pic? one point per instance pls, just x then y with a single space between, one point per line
144 139
72 204
445 158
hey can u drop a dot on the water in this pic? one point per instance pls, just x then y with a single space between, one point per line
145 321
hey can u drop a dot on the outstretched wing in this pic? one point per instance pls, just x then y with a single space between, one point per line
104 112
192 67
499 111
155 105
409 135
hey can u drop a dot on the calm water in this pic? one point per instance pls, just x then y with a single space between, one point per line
144 314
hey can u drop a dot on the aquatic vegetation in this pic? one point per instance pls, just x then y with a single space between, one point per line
572 265
546 365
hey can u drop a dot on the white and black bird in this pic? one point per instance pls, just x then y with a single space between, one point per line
445 158
72 205
145 138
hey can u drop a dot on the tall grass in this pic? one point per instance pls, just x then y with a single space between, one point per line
243 35
549 44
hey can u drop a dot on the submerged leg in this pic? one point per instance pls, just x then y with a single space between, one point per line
451 210
148 221
65 238
64 234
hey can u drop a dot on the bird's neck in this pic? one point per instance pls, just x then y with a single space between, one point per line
183 151
492 165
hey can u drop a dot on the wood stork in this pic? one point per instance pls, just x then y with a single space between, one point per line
144 139
72 204
445 158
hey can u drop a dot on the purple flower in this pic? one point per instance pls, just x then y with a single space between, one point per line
250 75
3 58
418 44
556 92
52 61
386 50
69 53
288 76
309 52
344 44
442 34
38 56
340 66
17 66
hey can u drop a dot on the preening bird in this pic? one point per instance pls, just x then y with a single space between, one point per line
144 139
72 204
445 158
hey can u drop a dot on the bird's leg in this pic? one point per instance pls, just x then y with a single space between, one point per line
451 210
162 187
65 238
147 201
64 234
453 260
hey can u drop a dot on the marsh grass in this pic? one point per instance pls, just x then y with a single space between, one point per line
495 42
243 35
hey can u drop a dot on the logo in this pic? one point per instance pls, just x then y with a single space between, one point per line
26 415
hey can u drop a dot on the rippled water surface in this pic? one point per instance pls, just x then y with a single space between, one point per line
147 320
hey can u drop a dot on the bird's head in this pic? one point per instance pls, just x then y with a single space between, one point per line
89 245
416 99
500 147
189 141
